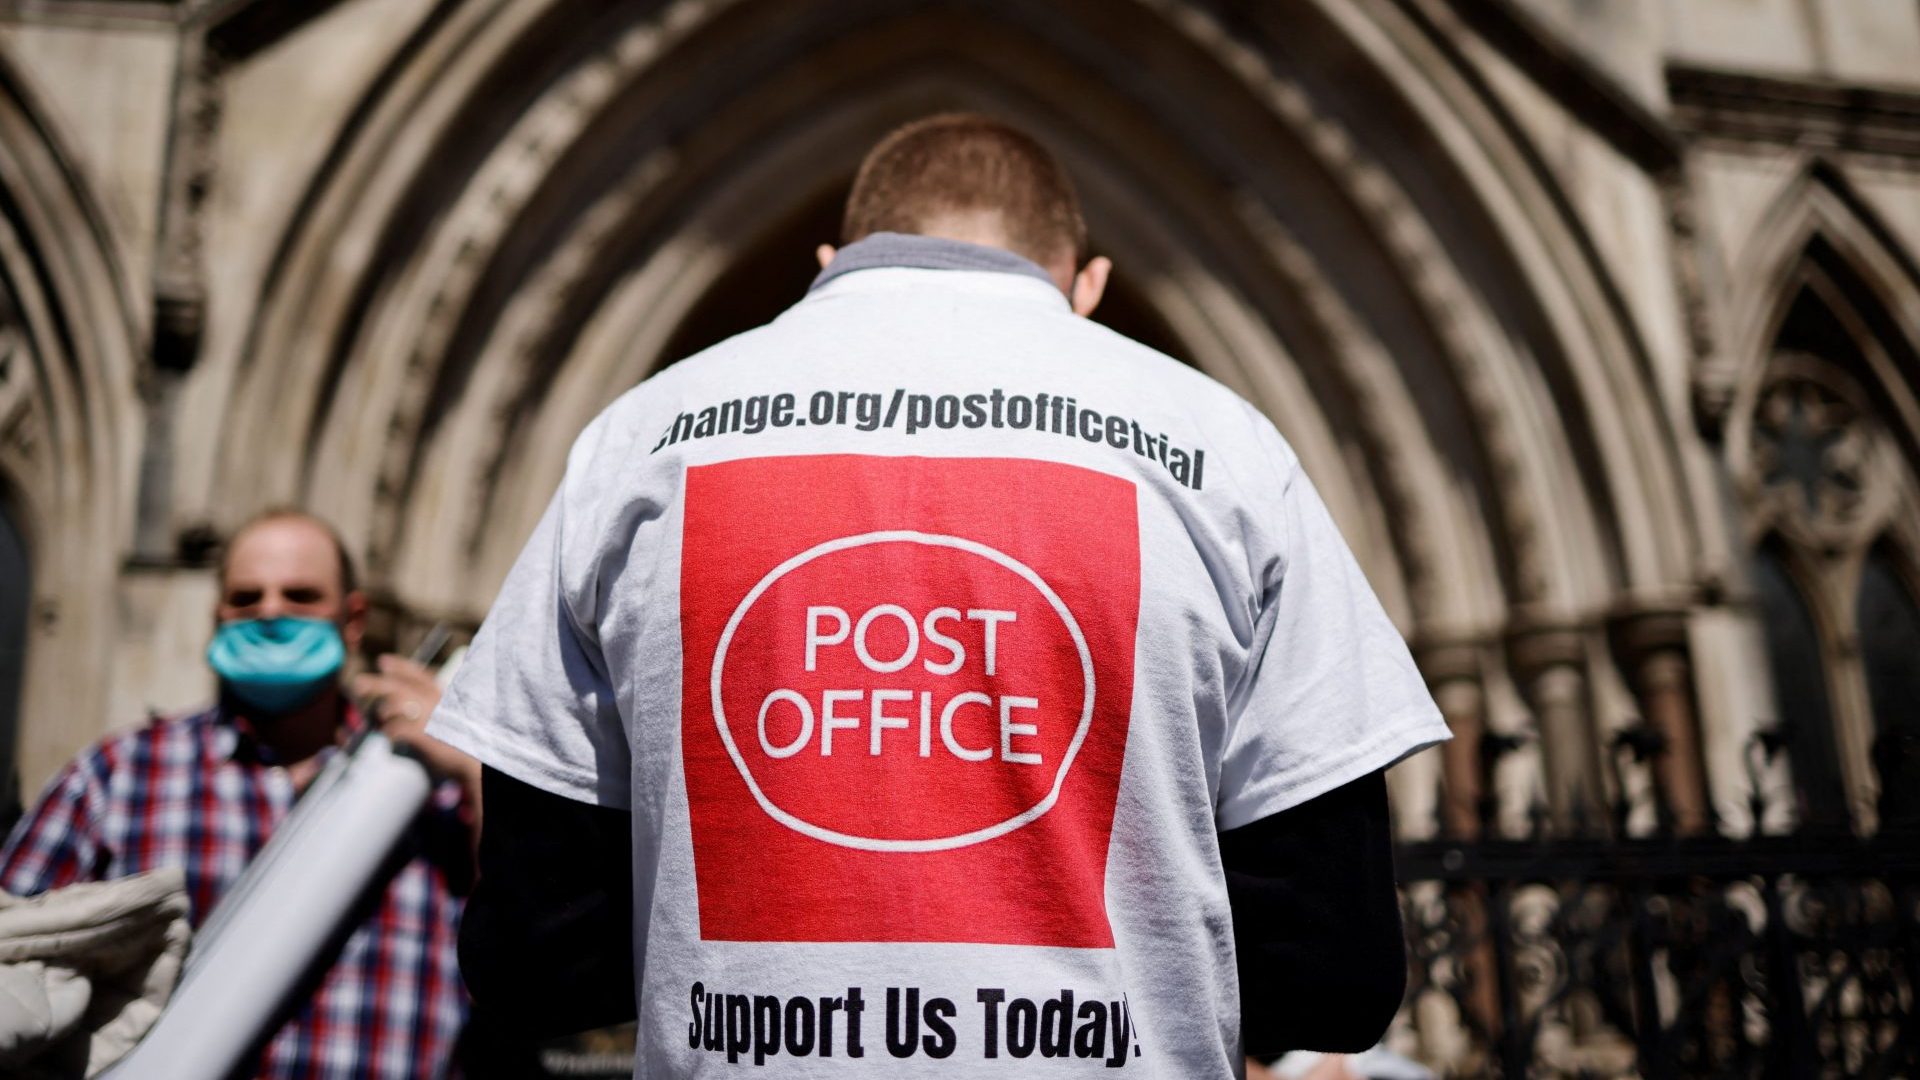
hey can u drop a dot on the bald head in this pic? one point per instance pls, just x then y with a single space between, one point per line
290 563
300 528
969 177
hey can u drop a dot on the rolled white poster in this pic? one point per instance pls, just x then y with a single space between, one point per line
290 904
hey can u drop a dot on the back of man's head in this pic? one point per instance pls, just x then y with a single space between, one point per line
968 177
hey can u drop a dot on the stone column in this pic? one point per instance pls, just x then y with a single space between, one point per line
1551 666
1654 646
1453 675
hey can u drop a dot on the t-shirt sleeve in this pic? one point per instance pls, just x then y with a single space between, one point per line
533 697
1331 693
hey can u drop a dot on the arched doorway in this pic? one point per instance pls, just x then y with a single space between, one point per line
69 431
1349 239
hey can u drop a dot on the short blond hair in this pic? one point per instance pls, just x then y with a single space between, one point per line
968 163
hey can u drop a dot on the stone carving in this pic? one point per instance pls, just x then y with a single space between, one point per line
19 419
501 192
179 302
1819 466
16 377
1430 276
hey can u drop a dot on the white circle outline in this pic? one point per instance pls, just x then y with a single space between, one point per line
938 843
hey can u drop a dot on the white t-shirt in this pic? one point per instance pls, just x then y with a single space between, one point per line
931 633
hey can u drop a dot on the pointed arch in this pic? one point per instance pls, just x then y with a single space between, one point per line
69 422
1823 442
523 211
1819 233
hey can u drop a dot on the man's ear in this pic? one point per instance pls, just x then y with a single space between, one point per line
1089 285
353 620
824 253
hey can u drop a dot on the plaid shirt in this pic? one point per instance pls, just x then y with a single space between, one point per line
200 793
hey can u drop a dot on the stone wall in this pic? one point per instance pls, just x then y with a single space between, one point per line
1504 272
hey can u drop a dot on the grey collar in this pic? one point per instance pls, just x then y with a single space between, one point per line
885 249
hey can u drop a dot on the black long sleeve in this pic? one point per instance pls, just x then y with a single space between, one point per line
546 945
1316 922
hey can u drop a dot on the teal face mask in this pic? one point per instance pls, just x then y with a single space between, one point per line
277 665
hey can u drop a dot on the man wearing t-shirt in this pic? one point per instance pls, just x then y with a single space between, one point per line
933 681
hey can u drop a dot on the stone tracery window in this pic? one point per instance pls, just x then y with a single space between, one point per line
1809 445
1827 493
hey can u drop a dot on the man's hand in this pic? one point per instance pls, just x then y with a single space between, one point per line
402 695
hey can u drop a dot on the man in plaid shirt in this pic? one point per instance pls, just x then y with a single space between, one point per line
203 792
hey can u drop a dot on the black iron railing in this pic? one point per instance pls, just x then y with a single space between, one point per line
1775 956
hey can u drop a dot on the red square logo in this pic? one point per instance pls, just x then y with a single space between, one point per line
907 688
